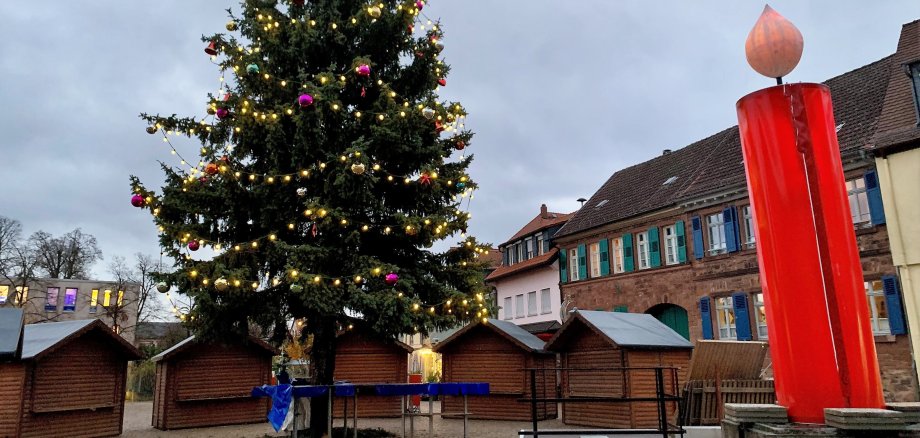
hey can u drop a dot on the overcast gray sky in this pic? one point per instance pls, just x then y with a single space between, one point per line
561 94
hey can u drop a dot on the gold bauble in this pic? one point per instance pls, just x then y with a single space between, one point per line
231 25
357 168
221 284
374 11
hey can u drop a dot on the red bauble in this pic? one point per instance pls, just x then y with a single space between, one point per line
211 169
391 279
438 126
460 145
194 245
203 179
224 158
442 82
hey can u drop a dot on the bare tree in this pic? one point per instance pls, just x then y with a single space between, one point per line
18 270
69 256
127 277
148 305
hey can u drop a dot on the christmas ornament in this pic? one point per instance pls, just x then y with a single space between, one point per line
461 185
162 287
314 230
203 179
221 284
460 145
252 68
424 178
363 70
231 25
296 288
391 279
411 28
224 158
211 169
211 110
419 54
194 245
305 100
151 129
211 49
439 45
137 201
357 168
222 113
419 4
302 191
442 82
428 113
373 11
438 126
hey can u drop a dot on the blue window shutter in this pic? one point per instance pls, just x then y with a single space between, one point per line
697 237
681 241
582 262
546 237
623 309
506 255
628 265
737 224
536 249
654 248
605 257
731 242
706 316
876 209
563 267
742 316
893 299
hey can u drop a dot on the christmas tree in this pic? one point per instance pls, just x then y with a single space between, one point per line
328 168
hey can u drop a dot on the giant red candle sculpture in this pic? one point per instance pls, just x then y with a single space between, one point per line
821 342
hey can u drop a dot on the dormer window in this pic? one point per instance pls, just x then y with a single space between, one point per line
913 70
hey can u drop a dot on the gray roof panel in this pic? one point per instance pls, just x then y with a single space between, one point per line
42 336
11 321
637 330
518 333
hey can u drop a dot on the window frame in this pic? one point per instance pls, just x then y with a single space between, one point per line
880 326
520 251
51 305
861 196
532 303
724 307
519 306
594 260
546 301
913 69
671 249
4 293
747 217
540 244
715 223
508 309
618 260
22 295
72 307
573 264
760 313
642 249
94 301
528 250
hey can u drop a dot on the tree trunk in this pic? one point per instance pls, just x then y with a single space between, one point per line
322 358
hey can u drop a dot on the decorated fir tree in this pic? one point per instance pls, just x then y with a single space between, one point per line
328 168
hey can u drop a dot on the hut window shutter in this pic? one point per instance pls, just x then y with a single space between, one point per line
582 262
563 272
697 225
876 209
605 257
893 300
742 316
654 245
730 223
628 265
681 241
706 316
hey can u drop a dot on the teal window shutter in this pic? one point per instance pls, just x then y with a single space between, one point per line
628 265
605 257
546 237
563 271
742 316
706 316
654 247
876 209
622 309
582 262
697 237
681 242
893 299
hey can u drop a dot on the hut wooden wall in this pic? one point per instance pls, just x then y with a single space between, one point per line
12 382
210 385
361 359
76 391
587 349
482 355
642 382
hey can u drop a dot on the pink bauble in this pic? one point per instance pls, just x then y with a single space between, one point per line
305 100
364 70
419 4
391 279
222 113
137 201
194 245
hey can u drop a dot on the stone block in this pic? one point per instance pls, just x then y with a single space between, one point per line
864 419
910 411
756 413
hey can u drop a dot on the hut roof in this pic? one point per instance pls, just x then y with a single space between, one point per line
11 321
43 338
627 330
520 337
367 335
190 341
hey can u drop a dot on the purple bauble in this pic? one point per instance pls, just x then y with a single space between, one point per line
305 100
194 245
419 4
364 70
222 113
137 201
391 279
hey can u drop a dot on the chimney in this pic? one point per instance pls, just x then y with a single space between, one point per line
543 213
666 152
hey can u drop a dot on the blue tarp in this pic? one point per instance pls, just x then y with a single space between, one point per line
281 402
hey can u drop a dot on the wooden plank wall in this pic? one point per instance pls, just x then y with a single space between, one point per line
587 349
209 385
363 360
642 383
12 382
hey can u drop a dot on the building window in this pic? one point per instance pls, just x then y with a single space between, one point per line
748 226
520 252
595 260
540 250
670 246
94 301
529 243
859 200
617 255
573 264
914 71
507 308
546 303
716 233
532 303
4 294
107 298
22 295
121 298
642 240
725 316
519 306
51 299
878 307
761 313
70 299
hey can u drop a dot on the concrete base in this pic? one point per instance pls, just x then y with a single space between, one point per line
910 411
761 421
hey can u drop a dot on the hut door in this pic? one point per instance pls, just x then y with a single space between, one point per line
672 316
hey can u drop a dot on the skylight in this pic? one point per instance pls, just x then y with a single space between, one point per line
669 180
600 204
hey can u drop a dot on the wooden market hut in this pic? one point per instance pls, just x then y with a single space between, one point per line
66 380
589 340
497 352
207 384
364 359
